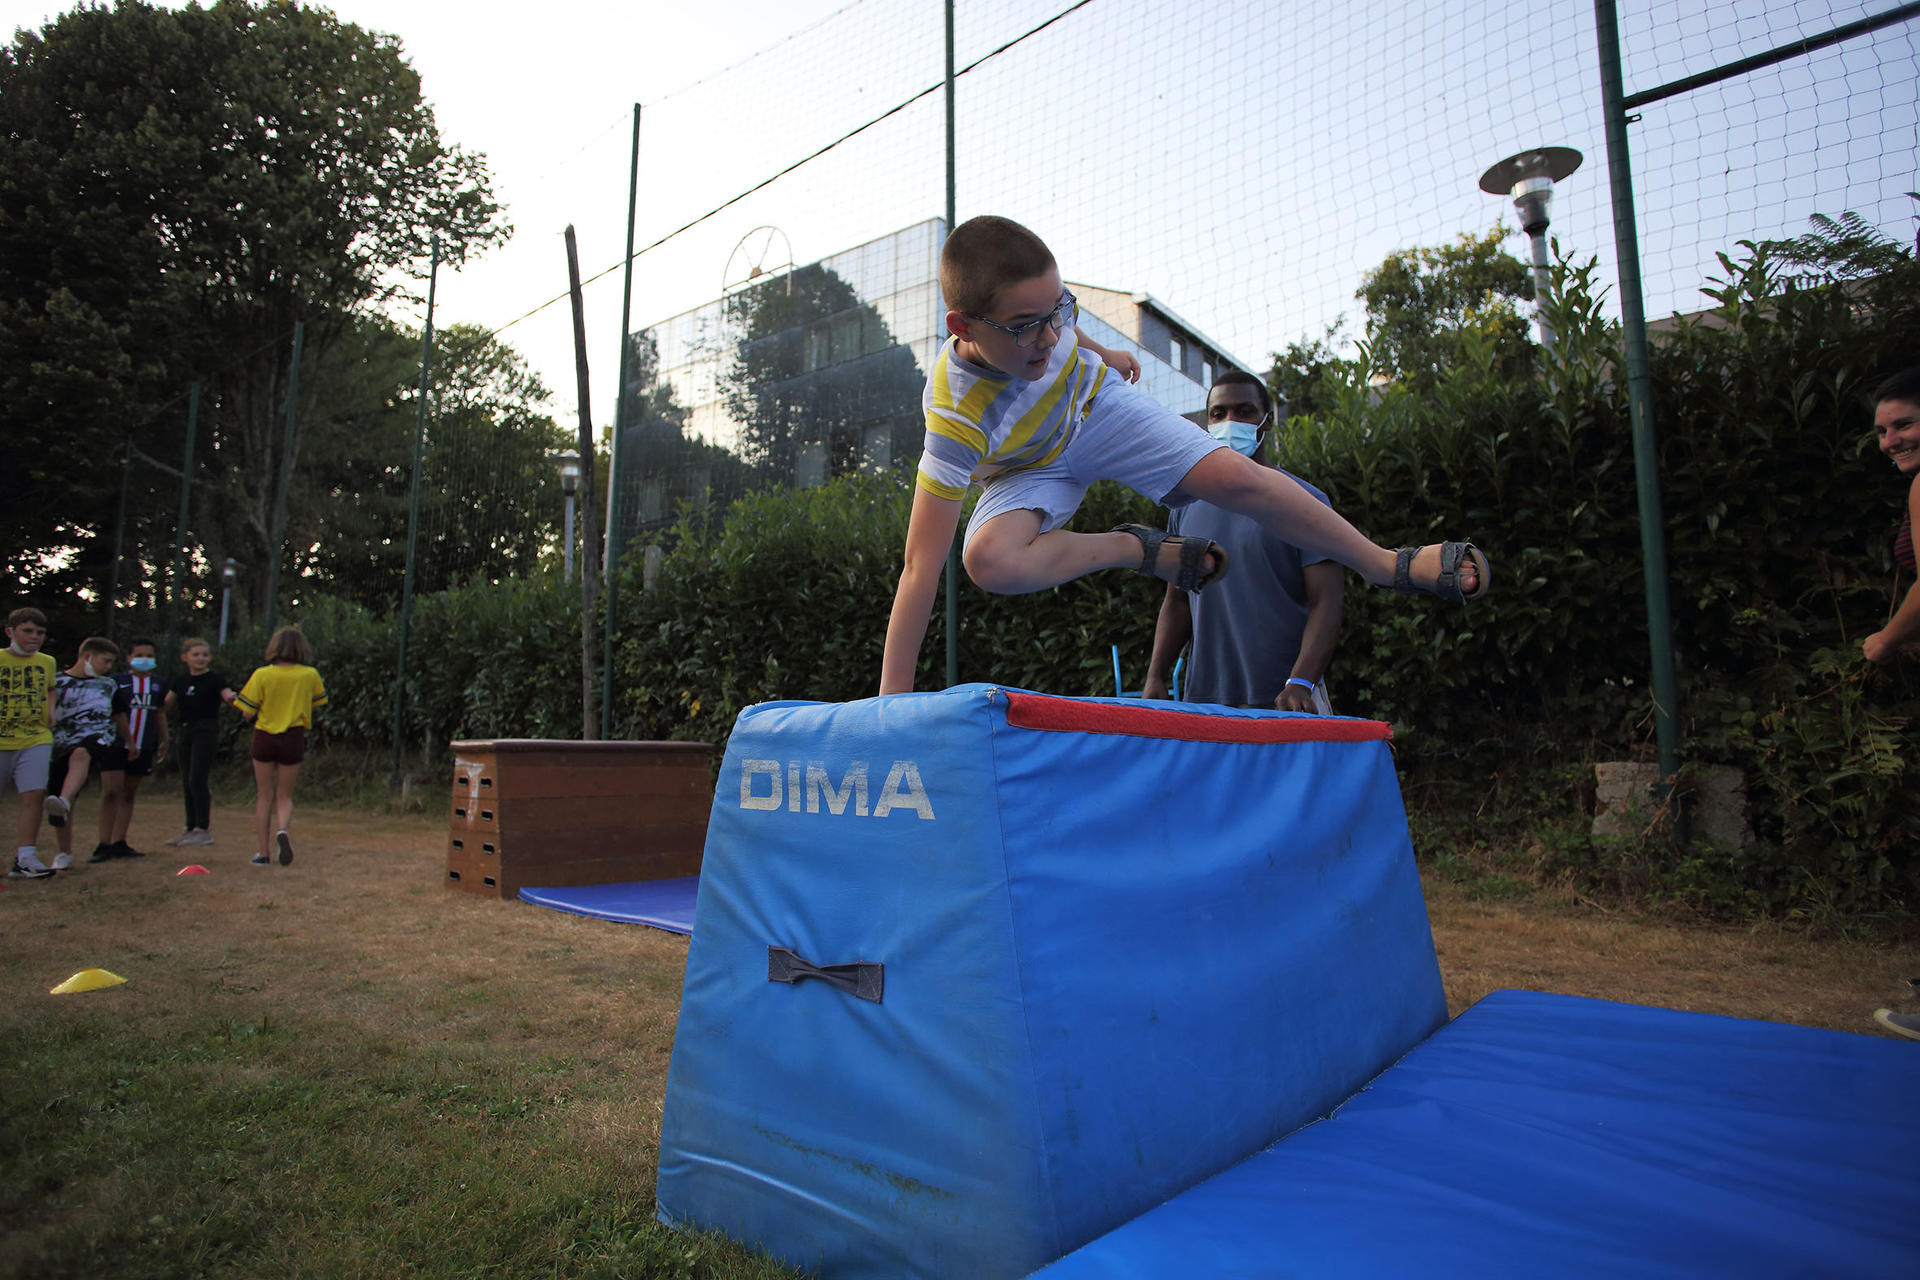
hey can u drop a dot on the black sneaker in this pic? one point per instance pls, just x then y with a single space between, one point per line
102 853
121 849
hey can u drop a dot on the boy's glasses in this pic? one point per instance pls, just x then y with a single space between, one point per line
1028 334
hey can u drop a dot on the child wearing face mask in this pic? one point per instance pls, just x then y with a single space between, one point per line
1264 636
83 735
139 714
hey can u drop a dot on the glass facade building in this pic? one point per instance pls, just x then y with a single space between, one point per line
817 372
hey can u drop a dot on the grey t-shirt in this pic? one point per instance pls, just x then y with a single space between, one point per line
1247 626
82 711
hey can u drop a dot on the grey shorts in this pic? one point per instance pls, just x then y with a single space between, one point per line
26 768
1127 436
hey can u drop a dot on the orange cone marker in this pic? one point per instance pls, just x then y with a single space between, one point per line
193 869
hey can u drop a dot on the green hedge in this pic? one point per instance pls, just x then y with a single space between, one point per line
1778 515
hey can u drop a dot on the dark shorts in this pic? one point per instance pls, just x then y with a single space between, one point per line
114 760
280 748
63 760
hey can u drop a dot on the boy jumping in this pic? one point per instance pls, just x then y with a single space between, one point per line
1015 405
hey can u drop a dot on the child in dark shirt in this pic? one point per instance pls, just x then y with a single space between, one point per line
198 696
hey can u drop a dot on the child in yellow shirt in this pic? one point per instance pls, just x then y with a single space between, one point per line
280 698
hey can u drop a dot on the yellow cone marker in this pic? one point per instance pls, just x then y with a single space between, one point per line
87 980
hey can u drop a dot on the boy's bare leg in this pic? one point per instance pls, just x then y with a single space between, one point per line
26 827
1238 484
112 783
1009 555
79 765
123 814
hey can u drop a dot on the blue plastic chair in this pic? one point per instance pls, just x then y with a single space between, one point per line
1120 689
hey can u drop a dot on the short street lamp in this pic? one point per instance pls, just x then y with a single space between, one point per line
229 573
1529 177
569 465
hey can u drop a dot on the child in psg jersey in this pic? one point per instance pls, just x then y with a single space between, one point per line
139 713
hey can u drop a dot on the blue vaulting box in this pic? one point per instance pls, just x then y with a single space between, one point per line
979 975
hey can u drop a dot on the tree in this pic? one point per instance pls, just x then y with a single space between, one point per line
660 465
1298 375
177 189
1420 301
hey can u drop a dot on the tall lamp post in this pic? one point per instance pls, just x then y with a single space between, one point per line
569 464
229 573
1529 177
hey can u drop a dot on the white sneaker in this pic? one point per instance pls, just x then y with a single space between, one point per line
57 810
62 861
185 837
27 866
197 837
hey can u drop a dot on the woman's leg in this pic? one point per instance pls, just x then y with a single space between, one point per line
284 775
263 771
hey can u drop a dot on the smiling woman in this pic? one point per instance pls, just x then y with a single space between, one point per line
1896 419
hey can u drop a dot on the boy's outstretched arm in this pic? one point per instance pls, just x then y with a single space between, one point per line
1121 362
930 529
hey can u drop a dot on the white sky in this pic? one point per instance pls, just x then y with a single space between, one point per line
1250 193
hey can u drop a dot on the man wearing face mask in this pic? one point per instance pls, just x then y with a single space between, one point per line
1263 635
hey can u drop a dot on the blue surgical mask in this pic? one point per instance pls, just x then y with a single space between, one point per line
1241 437
141 664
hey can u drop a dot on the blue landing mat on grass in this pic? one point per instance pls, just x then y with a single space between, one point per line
1548 1135
664 904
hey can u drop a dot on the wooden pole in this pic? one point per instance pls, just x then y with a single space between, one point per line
589 518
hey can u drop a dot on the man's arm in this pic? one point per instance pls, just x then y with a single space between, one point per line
930 529
1326 588
1171 632
1903 628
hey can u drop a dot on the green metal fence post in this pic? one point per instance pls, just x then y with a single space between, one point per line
119 538
413 517
953 551
1633 324
175 573
277 534
611 595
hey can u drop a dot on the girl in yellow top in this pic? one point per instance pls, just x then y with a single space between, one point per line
280 699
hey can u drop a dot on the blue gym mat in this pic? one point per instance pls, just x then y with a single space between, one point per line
1548 1135
663 904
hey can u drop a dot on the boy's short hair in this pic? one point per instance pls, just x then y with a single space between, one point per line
1235 377
19 616
191 641
288 645
1904 385
98 644
137 641
986 254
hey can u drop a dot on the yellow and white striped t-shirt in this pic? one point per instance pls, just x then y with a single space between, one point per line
981 424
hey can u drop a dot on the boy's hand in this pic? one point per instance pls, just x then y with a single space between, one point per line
1123 363
160 753
227 696
133 751
1155 687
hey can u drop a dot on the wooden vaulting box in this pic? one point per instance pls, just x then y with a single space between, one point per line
554 813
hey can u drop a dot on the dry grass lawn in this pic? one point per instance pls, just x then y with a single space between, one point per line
343 1067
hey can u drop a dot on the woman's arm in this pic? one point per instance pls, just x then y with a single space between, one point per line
1903 628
